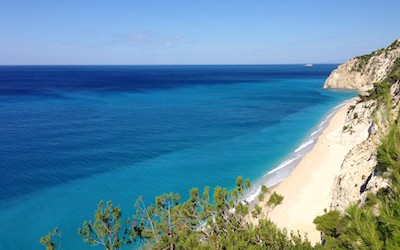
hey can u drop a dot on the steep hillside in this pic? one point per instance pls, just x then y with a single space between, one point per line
378 75
367 123
365 209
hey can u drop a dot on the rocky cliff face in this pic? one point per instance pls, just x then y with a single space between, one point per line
366 123
361 72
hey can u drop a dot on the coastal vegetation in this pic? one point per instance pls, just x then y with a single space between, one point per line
51 240
105 230
363 60
201 222
395 71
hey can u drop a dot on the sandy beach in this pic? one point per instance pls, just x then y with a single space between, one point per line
307 191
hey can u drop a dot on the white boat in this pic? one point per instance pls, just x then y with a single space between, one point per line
309 65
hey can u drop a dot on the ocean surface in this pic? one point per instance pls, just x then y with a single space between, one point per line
73 135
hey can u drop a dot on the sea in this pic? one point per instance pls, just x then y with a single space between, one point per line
71 136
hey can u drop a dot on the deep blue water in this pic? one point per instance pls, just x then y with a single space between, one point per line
73 135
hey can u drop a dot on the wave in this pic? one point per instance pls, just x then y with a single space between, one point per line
303 145
283 164
315 132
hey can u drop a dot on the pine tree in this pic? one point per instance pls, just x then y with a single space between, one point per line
49 240
105 229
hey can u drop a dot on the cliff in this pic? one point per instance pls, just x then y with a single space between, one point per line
366 122
361 72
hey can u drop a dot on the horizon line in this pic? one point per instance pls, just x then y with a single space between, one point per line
200 64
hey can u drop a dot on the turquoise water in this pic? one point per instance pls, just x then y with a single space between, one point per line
72 136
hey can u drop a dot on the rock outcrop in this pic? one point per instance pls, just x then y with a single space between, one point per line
366 124
361 72
357 176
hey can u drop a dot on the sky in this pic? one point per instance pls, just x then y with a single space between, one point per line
193 32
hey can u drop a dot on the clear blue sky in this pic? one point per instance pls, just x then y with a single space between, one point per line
194 32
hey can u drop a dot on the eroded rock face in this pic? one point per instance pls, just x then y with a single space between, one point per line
365 125
361 72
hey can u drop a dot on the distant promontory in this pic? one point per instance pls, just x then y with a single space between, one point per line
361 72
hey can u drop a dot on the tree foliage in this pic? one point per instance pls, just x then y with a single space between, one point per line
105 229
201 222
51 239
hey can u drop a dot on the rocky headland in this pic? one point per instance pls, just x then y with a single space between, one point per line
363 71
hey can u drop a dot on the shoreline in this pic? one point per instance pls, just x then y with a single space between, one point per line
277 175
307 189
